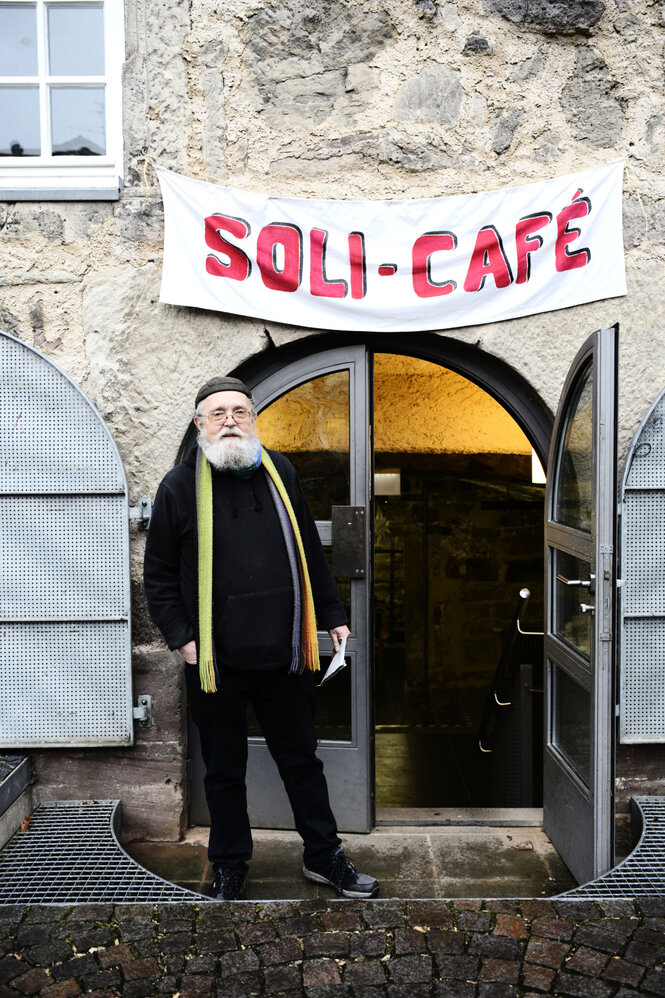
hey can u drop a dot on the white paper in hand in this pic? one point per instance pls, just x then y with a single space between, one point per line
336 664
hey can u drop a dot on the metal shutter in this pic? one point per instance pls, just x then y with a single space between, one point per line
642 707
65 650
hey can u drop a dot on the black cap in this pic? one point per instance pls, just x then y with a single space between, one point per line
222 384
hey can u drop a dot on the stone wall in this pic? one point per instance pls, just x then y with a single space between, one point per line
357 99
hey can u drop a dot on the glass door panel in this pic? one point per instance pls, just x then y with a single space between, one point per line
333 705
573 591
310 425
317 413
571 722
334 716
573 502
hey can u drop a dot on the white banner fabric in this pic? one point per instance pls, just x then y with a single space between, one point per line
383 266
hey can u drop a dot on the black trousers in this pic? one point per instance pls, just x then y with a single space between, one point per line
284 707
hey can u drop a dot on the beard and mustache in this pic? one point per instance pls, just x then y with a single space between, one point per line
232 450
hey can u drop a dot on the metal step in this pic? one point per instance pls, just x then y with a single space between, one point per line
70 854
642 874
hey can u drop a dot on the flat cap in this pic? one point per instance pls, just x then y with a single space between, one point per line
222 384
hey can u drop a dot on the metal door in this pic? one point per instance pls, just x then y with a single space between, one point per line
580 549
325 402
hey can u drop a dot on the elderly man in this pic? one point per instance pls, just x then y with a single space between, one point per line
234 575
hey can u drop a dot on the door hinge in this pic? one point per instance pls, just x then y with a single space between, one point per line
142 512
143 711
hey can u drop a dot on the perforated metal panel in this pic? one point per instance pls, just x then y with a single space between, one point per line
53 439
68 684
642 697
48 579
65 650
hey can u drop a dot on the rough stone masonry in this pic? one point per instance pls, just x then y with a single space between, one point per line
336 949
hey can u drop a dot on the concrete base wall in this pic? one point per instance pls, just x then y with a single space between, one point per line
10 820
640 772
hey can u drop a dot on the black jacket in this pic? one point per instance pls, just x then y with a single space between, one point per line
252 584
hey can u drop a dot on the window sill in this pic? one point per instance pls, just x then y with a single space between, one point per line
60 182
59 193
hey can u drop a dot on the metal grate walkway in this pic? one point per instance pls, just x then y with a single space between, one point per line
70 854
642 874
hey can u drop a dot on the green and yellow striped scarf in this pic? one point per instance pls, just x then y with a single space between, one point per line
308 652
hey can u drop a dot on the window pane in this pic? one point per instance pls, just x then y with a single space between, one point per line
18 40
310 424
76 40
572 719
570 623
333 705
19 121
78 126
333 702
574 486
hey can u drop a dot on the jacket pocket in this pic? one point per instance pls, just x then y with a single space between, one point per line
255 630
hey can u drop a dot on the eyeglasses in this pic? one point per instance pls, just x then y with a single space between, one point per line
238 415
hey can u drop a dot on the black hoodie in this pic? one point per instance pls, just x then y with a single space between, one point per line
252 609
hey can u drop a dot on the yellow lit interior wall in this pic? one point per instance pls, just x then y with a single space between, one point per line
419 407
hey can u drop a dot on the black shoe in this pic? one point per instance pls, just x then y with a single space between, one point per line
343 876
228 884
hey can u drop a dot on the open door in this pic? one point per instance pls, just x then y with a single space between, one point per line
580 633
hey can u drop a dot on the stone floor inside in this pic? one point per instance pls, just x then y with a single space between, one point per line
486 854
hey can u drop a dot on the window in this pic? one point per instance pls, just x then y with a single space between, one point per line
60 99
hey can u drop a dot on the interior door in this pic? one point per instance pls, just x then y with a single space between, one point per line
580 638
317 412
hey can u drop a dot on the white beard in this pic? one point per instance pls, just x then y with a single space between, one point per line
234 454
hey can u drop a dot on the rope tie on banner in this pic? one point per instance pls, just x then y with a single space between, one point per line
630 174
145 162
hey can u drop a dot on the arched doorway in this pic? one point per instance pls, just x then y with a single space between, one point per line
335 407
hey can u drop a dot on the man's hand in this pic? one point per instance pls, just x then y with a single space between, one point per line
188 652
337 633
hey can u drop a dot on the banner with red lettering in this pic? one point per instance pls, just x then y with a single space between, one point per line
400 265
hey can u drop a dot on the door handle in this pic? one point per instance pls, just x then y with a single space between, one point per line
585 608
590 583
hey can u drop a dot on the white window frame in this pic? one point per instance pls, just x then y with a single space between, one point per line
71 178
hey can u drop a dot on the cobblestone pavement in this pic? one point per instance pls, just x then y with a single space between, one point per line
326 949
